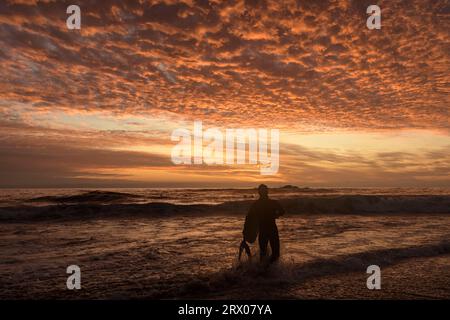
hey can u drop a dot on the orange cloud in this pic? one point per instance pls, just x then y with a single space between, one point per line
309 66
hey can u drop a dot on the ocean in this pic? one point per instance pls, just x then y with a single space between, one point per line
183 243
35 202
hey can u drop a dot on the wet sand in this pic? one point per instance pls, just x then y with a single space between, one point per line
184 256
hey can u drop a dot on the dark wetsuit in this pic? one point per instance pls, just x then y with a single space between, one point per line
267 210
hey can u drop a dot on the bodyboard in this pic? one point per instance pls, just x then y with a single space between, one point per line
242 247
251 227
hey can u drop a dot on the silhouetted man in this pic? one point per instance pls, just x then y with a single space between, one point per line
265 211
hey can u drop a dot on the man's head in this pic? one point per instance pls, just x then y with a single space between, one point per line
263 191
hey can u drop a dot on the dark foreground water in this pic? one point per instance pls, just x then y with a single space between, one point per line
184 256
136 249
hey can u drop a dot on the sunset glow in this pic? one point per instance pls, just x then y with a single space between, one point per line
97 106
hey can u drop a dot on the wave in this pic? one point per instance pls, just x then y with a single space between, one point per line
92 204
87 197
254 280
369 204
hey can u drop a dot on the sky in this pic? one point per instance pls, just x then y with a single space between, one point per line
96 107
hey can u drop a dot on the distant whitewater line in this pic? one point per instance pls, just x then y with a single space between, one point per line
110 204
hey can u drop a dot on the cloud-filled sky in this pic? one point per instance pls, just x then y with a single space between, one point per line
96 106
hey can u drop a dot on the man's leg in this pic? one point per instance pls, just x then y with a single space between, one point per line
263 240
275 245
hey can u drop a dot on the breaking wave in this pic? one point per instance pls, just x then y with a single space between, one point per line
109 204
250 278
87 197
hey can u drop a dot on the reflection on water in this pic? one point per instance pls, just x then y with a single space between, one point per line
167 257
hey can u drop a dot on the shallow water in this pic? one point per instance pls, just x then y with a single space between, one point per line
196 256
